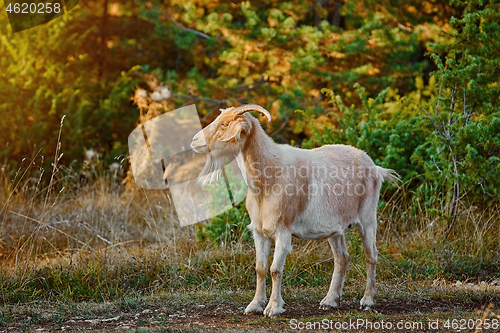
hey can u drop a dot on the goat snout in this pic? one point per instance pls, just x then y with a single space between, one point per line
199 144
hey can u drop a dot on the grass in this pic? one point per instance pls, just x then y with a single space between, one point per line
103 276
178 309
87 238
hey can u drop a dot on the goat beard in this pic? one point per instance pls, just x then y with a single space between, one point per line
212 170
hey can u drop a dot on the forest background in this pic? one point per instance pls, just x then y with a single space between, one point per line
414 83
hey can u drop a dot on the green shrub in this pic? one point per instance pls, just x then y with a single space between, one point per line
228 227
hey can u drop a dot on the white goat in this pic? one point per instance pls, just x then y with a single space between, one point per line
310 194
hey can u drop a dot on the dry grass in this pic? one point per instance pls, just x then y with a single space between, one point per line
86 236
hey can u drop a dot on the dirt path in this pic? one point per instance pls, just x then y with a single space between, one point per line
227 315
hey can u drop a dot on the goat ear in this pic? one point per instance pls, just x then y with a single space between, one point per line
232 132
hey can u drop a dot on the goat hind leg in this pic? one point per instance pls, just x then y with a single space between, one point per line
262 248
341 261
368 234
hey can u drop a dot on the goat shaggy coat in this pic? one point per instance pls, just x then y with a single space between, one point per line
311 194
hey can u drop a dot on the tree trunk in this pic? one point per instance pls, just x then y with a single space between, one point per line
104 46
336 17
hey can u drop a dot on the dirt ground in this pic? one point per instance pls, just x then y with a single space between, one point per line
213 314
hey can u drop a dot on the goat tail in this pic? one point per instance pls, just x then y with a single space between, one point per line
389 175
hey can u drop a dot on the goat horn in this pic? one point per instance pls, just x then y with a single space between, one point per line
253 107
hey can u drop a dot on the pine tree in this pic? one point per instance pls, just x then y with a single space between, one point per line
465 148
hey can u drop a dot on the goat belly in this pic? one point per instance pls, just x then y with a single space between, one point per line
310 234
318 220
314 229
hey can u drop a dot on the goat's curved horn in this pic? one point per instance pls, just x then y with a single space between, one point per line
253 107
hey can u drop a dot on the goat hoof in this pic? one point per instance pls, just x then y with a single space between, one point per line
253 311
366 305
273 313
273 310
255 308
328 303
327 307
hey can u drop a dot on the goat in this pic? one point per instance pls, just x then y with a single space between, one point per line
311 194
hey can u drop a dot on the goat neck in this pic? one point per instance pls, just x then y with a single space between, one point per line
261 157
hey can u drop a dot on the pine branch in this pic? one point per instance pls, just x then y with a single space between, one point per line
177 23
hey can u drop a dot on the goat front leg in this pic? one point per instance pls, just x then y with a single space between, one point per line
283 246
262 248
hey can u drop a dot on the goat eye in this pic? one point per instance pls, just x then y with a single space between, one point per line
224 125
